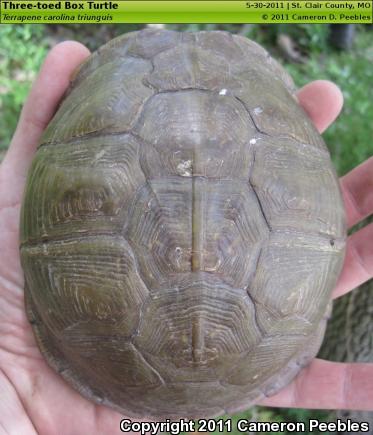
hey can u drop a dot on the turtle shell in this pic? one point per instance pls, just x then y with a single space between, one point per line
182 227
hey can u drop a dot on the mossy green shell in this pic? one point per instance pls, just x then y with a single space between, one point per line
182 227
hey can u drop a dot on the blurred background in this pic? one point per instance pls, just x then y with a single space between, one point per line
343 54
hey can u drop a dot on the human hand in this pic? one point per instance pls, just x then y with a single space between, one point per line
324 384
35 400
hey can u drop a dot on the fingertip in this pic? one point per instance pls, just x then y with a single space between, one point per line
331 92
70 44
72 52
58 67
46 92
333 89
322 100
51 83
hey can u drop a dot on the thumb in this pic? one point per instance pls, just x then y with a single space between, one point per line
40 106
322 100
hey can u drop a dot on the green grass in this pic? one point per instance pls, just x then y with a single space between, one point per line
349 139
22 50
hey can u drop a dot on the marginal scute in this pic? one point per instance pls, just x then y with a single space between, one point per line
266 359
185 398
129 373
299 352
182 228
127 368
189 396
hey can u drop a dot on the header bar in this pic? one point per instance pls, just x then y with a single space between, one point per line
185 11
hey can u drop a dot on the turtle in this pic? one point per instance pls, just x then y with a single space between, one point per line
182 227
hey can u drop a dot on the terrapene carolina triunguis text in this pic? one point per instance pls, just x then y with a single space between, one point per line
182 227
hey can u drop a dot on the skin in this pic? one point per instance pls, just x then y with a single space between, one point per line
29 387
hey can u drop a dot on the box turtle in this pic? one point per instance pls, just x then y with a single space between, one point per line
182 227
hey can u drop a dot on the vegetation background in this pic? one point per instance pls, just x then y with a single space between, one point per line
303 49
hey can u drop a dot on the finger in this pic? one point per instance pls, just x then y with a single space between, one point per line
358 263
322 100
328 385
357 188
39 108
